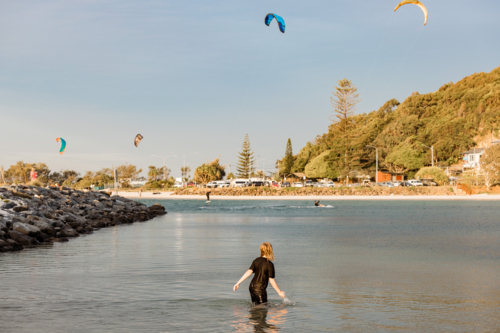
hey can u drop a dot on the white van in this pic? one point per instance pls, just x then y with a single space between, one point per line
223 183
416 182
240 183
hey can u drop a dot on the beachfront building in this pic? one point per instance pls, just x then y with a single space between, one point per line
387 176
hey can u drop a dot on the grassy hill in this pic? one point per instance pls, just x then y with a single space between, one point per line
452 119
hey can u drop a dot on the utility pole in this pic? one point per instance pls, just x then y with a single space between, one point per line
376 163
115 177
432 152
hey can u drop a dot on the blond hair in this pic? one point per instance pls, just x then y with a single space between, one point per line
266 250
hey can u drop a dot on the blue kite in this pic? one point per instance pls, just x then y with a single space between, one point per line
63 145
279 19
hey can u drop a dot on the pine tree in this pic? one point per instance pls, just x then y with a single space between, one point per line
288 160
344 101
245 160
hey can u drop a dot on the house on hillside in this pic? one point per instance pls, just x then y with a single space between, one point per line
471 158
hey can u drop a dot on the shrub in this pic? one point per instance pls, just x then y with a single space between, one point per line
437 174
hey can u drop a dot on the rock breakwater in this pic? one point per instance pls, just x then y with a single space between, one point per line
31 215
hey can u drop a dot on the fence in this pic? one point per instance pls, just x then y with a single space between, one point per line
466 188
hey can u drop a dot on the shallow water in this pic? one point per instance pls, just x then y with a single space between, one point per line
357 266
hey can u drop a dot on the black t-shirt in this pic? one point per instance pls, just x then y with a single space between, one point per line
263 270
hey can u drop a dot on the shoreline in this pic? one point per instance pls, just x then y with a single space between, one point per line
171 196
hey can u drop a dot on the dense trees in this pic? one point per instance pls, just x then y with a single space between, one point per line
452 119
246 160
20 173
208 172
490 165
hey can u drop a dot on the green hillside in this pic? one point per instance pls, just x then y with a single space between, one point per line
450 119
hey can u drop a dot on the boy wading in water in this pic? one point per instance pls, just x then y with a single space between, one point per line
264 273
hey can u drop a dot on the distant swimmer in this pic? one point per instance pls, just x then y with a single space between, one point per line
316 203
263 270
208 196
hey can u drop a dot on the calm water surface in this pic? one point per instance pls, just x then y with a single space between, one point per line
352 267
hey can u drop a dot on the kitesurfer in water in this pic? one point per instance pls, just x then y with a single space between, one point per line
316 203
263 270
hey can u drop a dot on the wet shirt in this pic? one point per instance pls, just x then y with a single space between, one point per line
263 271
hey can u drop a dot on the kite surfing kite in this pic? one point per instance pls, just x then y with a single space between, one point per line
137 139
413 2
279 19
63 145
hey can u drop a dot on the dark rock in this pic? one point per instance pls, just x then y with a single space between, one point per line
15 245
22 239
26 229
67 232
43 237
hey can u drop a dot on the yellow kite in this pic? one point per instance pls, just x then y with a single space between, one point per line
414 2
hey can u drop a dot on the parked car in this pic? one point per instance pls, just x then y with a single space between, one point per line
212 184
397 183
387 184
240 183
298 184
406 184
177 185
308 183
274 184
416 182
330 184
258 183
223 183
429 182
285 184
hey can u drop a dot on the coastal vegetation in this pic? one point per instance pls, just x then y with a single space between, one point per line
452 119
209 171
490 166
436 174
246 160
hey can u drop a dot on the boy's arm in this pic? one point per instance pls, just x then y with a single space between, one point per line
243 278
275 286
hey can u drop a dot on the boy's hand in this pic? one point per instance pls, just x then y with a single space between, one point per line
282 294
236 287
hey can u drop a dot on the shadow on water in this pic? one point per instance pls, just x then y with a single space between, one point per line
260 318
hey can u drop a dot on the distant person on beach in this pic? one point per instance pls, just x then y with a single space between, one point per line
208 196
33 175
263 270
316 203
140 192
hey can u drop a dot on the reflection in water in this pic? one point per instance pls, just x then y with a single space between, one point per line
260 318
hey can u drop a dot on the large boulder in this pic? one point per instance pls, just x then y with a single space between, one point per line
67 232
44 227
26 229
22 239
157 209
20 208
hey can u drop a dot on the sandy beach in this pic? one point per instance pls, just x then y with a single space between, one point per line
168 195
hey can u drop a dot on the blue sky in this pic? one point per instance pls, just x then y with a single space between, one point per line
193 77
